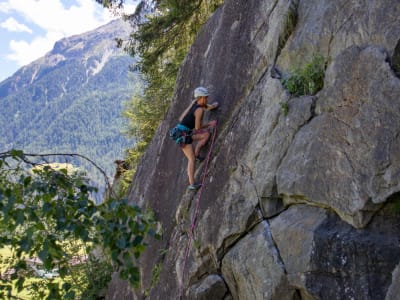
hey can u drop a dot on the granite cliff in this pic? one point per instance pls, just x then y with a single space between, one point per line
302 205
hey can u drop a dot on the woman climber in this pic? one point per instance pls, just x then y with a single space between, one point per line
191 120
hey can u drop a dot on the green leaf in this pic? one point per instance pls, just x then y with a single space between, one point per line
114 204
134 275
39 226
63 271
152 232
137 240
54 291
27 181
17 153
20 283
43 254
47 207
70 295
25 243
114 254
20 217
121 243
66 286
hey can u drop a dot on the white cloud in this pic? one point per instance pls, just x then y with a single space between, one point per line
4 7
130 8
56 21
13 25
48 21
51 15
24 53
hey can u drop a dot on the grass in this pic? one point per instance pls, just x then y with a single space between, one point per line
284 108
155 274
290 21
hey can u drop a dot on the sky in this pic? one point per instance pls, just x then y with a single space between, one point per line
29 28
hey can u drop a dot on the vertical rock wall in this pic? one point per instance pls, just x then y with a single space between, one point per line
303 205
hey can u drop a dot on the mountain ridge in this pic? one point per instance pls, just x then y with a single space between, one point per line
68 48
71 99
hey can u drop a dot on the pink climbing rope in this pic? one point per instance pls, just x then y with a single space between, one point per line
194 216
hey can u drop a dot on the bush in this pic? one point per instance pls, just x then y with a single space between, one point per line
307 80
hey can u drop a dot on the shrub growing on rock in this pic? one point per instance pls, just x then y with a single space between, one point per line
307 80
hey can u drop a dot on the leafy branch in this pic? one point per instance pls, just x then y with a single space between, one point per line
25 157
43 211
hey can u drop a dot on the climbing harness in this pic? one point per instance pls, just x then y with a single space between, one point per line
183 135
180 134
195 213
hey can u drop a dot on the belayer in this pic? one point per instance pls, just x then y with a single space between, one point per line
191 128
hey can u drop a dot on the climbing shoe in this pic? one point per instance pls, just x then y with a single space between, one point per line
194 187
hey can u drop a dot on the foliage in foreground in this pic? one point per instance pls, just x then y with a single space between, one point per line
45 213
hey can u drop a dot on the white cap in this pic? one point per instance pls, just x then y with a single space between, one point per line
201 91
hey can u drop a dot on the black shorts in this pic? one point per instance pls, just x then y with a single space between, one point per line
187 140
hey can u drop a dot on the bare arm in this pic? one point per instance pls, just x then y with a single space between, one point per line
199 120
212 106
198 114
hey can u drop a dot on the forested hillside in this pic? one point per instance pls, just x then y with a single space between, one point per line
70 101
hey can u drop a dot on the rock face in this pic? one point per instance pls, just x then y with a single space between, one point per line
303 205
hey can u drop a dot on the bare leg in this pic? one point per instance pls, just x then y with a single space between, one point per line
189 153
202 139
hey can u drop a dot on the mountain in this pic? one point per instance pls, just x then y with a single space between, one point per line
70 100
301 194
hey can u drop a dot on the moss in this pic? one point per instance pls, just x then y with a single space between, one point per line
284 108
155 274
